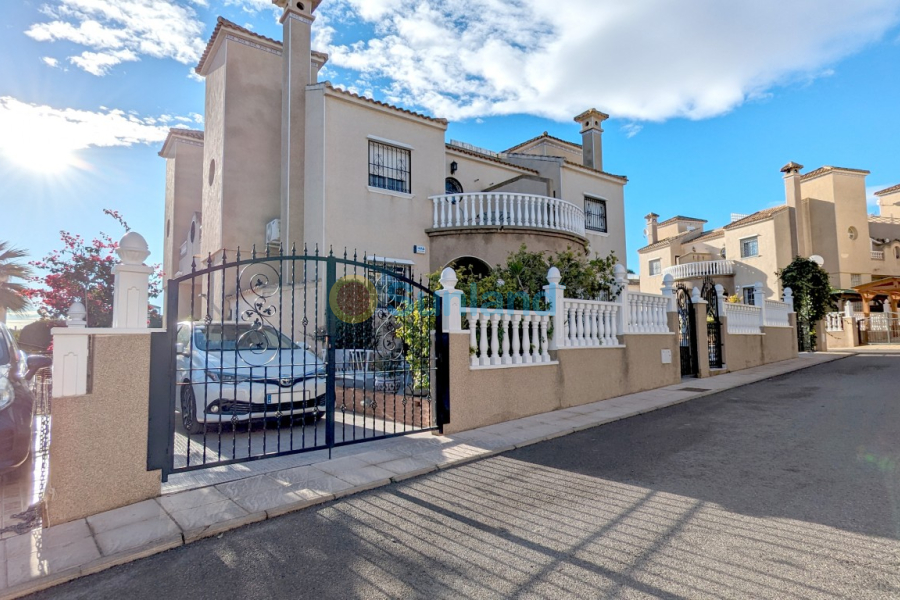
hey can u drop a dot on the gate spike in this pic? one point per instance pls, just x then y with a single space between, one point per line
354 255
280 249
330 250
238 259
345 252
267 250
317 248
209 260
253 253
193 264
224 258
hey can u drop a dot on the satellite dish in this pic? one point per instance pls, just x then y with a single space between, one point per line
817 259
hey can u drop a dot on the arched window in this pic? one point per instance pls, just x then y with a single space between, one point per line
452 186
896 251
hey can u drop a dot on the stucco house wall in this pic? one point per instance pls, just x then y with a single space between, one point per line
578 183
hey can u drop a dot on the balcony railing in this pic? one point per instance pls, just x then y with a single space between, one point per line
706 268
877 255
500 209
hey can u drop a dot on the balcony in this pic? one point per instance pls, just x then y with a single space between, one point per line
504 209
877 255
698 270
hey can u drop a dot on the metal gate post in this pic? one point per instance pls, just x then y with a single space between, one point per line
442 365
163 390
330 336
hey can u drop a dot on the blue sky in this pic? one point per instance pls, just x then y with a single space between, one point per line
708 99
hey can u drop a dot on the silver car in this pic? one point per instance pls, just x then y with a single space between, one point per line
236 372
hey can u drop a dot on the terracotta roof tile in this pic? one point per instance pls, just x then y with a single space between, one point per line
756 217
826 169
889 190
383 104
547 136
664 242
711 235
490 158
223 22
191 133
681 218
580 166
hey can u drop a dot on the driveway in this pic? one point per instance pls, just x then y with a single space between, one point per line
784 488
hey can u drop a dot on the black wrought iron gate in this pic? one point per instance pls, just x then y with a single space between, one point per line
713 324
275 354
687 332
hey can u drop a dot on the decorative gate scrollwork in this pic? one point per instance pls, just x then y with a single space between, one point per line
687 332
713 324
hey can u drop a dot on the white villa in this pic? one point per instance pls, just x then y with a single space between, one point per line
286 159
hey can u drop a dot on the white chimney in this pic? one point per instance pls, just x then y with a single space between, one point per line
650 232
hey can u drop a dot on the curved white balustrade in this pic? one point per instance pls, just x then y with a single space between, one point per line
706 268
496 209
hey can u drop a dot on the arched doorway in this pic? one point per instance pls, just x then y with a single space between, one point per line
470 264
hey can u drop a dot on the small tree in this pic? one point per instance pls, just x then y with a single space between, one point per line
13 295
81 271
811 287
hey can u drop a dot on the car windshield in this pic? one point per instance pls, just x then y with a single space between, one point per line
240 337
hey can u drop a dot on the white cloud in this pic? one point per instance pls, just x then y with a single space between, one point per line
117 31
639 60
631 129
68 129
50 62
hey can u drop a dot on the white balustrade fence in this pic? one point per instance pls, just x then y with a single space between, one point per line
502 208
777 314
743 318
590 323
834 321
507 337
646 313
706 268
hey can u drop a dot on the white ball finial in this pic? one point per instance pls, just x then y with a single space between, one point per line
77 315
668 280
695 294
788 293
620 273
449 279
133 249
554 276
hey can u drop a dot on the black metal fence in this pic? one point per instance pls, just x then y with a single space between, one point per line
713 325
687 332
277 354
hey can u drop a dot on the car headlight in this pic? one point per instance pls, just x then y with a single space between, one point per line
226 377
6 393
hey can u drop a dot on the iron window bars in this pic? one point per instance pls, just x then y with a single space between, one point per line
595 214
389 167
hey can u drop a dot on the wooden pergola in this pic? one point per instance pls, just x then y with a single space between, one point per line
888 287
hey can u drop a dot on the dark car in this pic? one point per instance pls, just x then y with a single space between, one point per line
16 402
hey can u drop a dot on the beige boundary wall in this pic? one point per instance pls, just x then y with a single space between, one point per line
486 396
98 460
774 344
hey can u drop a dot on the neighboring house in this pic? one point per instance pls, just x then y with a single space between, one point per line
287 159
824 214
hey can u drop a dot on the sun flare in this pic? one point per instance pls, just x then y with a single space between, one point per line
39 156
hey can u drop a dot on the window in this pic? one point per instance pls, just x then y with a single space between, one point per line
389 167
749 295
896 251
595 214
655 267
852 233
749 247
855 279
452 186
391 290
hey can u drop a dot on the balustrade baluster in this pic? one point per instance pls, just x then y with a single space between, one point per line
495 339
516 344
473 342
436 202
526 339
506 359
505 215
545 346
483 342
579 324
465 202
535 339
455 204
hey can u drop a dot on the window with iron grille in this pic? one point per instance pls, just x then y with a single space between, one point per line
749 247
749 295
595 214
655 267
855 279
389 167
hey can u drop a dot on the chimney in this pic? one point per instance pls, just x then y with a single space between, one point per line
590 137
317 61
650 231
792 183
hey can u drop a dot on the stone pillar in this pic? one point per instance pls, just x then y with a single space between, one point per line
132 283
70 354
451 302
621 275
555 294
668 290
700 308
759 299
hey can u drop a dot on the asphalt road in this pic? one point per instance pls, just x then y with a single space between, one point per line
785 488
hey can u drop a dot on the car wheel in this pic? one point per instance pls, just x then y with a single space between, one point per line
189 410
313 418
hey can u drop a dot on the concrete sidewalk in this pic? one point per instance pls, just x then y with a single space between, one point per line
44 558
